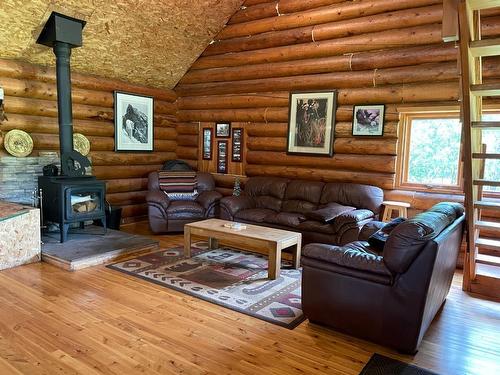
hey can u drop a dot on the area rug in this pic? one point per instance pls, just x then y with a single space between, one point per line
228 277
382 365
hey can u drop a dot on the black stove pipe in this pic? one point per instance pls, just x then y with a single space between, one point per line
64 103
62 33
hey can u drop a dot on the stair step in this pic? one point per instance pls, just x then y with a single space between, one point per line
485 243
483 4
488 205
488 225
485 89
484 182
485 47
482 155
486 124
488 259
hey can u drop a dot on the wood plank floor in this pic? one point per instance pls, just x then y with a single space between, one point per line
99 321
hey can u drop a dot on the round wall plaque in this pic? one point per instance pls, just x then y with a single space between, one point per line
18 143
81 144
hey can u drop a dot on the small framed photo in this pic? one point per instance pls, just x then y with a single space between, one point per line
207 143
223 129
133 122
311 122
237 145
222 157
368 120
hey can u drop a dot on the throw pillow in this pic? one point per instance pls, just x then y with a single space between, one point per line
328 213
377 240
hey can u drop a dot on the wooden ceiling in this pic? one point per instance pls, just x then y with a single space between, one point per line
151 42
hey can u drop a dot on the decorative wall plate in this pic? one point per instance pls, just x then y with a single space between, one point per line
18 143
81 144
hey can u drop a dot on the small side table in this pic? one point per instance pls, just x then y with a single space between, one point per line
400 207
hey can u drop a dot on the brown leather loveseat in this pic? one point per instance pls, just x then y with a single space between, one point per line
170 216
323 212
389 296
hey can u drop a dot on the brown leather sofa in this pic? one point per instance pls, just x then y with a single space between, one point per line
170 216
389 297
323 212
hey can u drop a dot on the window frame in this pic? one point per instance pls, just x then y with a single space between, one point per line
403 157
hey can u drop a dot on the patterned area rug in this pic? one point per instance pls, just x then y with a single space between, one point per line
382 365
228 277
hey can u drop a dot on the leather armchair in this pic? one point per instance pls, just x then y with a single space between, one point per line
388 297
170 216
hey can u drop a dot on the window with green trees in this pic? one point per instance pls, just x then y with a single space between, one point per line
430 152
434 151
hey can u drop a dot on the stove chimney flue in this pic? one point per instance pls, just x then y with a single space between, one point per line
64 103
62 34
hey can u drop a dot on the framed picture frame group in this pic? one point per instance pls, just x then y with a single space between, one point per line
221 141
311 122
134 130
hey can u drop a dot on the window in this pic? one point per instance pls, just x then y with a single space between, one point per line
429 153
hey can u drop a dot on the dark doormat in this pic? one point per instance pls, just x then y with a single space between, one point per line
382 365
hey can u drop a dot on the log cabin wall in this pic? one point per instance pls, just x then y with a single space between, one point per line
30 105
372 51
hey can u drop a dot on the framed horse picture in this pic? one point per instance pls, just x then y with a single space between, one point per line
311 123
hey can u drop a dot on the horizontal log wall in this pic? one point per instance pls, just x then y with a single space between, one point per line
371 51
30 105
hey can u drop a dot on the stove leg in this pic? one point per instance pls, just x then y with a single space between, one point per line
64 232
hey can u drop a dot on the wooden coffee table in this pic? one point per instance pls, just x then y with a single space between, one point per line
253 237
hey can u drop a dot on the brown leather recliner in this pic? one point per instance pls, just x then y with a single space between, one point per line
170 216
388 297
323 212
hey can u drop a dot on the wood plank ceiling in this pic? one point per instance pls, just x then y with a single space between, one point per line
151 42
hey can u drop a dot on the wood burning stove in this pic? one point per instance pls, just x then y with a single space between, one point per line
72 197
67 200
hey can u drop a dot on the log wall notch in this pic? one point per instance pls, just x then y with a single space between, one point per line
30 105
372 51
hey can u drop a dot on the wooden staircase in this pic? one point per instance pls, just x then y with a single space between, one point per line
482 260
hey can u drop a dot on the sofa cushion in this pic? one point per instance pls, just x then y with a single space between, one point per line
288 219
302 196
178 207
378 239
357 255
316 226
256 215
328 212
297 206
356 195
351 218
407 240
268 192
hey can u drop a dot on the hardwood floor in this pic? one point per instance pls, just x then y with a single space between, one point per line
99 321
